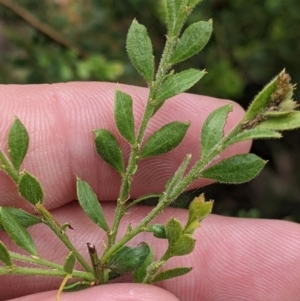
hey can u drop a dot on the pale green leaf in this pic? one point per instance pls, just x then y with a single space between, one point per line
213 129
24 218
184 245
124 116
262 100
172 273
235 170
18 141
192 41
30 188
281 123
255 133
90 204
172 10
128 259
198 210
165 139
139 49
69 263
173 230
4 255
178 83
17 232
109 150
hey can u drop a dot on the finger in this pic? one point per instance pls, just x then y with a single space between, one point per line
60 119
234 259
111 292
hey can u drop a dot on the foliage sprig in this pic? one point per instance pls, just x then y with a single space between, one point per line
272 111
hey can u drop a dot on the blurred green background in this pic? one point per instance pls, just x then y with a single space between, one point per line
50 41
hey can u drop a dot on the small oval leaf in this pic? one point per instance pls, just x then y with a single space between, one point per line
30 188
213 129
165 139
124 116
24 218
192 41
109 150
172 273
139 49
184 245
235 170
173 230
69 263
4 255
90 204
178 83
128 259
18 141
16 232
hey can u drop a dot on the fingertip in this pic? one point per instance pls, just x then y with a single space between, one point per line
111 292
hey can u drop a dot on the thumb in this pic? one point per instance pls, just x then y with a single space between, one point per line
112 292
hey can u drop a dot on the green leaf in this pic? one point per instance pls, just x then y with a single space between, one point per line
281 123
18 141
213 129
140 274
128 259
158 230
69 263
76 286
178 175
16 232
172 273
165 139
90 204
173 229
109 150
235 170
30 188
261 101
139 49
192 41
4 255
255 133
25 219
124 116
178 83
184 245
172 9
198 210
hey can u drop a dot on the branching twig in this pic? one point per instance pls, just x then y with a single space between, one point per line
41 27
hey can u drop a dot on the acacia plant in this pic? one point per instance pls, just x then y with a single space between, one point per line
272 111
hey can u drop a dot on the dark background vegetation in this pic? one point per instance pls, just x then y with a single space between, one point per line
50 41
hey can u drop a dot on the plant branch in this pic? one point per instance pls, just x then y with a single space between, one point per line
48 31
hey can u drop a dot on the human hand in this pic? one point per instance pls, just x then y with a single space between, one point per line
234 259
